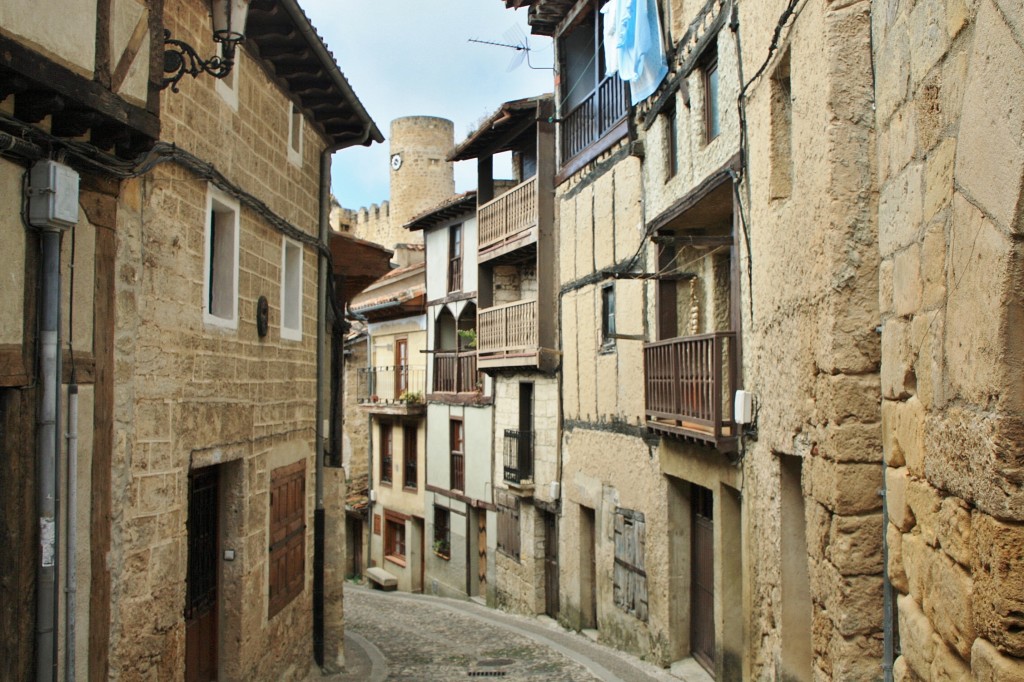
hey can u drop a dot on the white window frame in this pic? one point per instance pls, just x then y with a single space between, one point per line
226 210
227 87
291 289
295 117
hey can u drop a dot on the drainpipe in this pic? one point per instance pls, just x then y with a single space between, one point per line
71 573
890 631
48 445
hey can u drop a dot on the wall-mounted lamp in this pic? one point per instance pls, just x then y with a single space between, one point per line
228 29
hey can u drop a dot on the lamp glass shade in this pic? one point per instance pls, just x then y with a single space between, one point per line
229 20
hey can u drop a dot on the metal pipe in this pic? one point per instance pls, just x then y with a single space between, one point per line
890 629
48 445
71 503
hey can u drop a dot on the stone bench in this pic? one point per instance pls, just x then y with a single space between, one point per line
381 578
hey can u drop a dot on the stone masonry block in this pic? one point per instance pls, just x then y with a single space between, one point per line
842 398
907 285
897 573
917 558
892 83
929 39
947 666
949 604
855 658
998 567
885 287
855 544
938 177
898 380
910 433
988 664
990 152
926 331
917 637
845 488
853 442
924 501
933 264
900 513
892 451
900 208
954 530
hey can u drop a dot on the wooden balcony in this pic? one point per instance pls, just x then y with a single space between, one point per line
518 460
689 385
508 222
507 335
392 389
593 118
456 373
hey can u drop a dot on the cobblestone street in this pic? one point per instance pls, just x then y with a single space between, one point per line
397 636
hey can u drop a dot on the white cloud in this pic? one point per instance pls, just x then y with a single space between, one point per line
412 58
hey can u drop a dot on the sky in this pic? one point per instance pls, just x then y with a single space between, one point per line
414 58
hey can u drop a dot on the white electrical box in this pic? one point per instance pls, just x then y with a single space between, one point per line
743 407
556 490
53 195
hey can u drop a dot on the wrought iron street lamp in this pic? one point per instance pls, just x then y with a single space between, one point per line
180 58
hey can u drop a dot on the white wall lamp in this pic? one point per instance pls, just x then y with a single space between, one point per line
180 58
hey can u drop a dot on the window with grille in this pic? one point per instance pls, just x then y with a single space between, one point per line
442 532
508 525
411 456
458 456
608 315
387 452
630 577
287 534
394 536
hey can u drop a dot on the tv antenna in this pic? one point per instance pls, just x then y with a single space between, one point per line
516 40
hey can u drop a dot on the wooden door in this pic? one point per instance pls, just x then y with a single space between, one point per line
702 607
550 565
201 642
401 367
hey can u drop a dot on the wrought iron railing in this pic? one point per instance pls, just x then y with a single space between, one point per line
507 329
518 456
456 372
507 216
689 382
593 117
391 384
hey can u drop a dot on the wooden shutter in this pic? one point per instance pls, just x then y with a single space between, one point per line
287 534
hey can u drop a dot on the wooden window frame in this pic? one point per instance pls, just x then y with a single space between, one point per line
410 457
287 550
387 453
455 253
712 104
457 449
509 530
671 141
442 532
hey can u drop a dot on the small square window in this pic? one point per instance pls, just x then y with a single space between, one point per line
220 262
295 135
291 290
608 315
394 537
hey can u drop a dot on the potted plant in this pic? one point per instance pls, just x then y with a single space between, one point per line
411 397
441 548
467 338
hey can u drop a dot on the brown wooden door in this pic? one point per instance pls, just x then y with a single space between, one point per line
702 607
401 367
550 565
201 580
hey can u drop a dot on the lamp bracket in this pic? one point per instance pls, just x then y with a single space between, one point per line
180 58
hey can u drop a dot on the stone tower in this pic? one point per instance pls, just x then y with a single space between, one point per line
421 175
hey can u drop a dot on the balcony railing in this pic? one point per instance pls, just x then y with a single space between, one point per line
594 117
456 373
689 385
509 216
518 456
508 329
389 384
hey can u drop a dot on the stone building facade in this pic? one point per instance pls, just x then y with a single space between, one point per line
949 172
200 261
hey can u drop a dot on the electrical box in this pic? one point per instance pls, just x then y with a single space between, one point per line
556 490
53 195
743 407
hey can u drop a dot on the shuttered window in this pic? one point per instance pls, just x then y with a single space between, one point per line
287 534
630 578
509 541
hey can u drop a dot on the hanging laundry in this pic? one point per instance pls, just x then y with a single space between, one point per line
632 45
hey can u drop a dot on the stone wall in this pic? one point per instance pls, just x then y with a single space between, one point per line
950 167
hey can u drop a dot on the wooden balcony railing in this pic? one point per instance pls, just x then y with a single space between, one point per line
689 385
388 384
508 216
595 116
508 329
518 456
456 373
